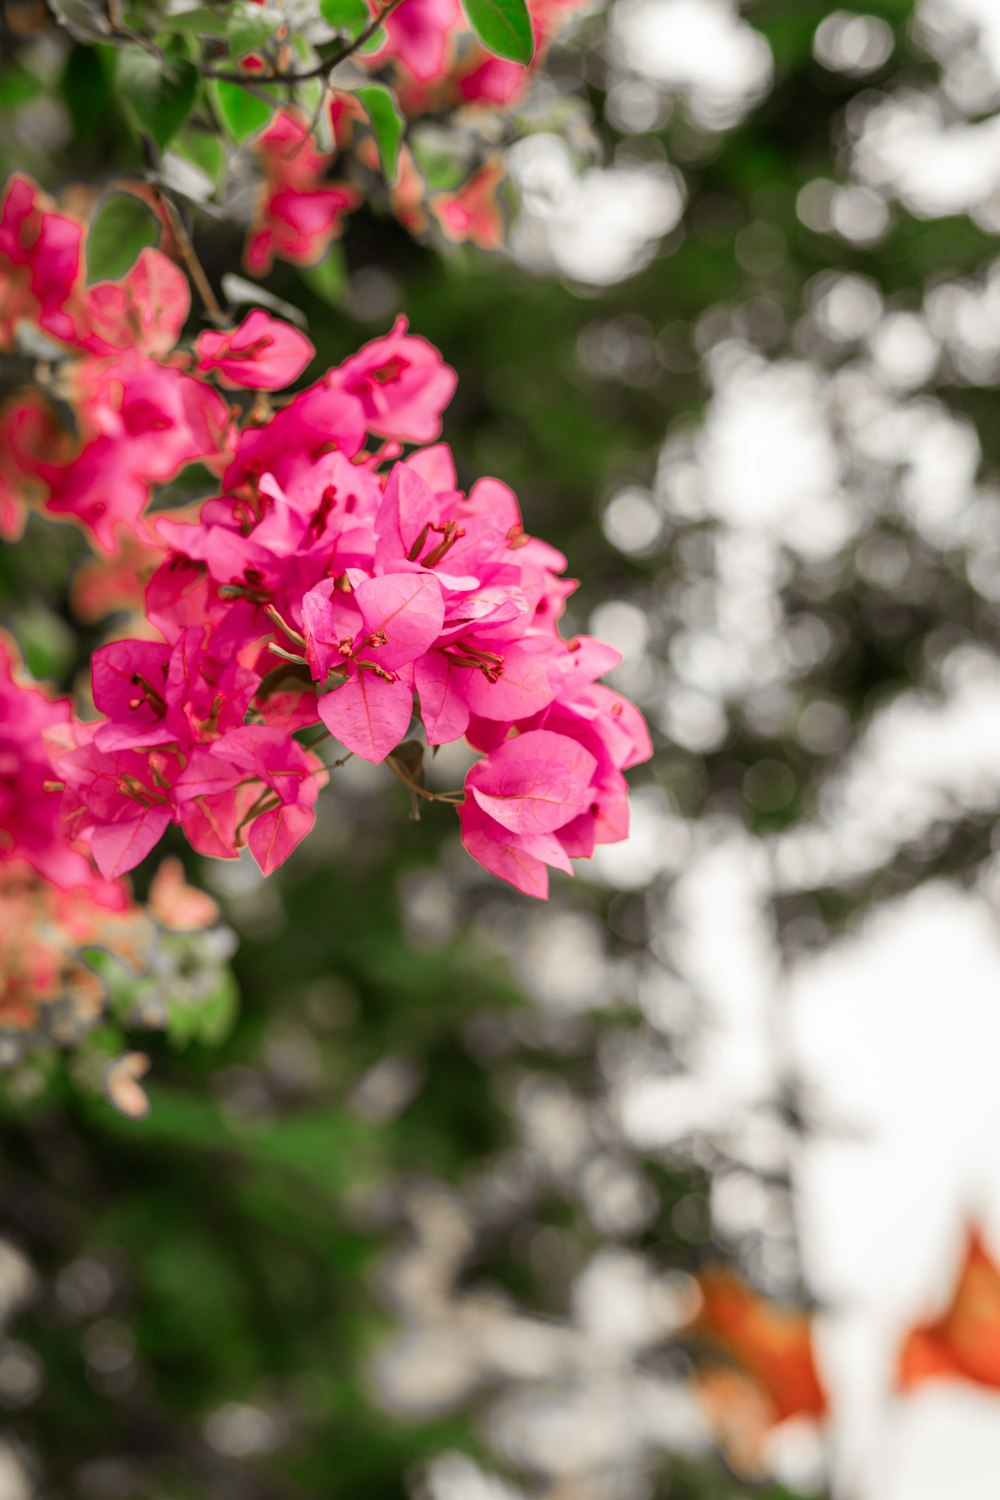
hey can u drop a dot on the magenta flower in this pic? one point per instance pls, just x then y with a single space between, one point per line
325 582
145 312
402 383
256 785
517 800
40 264
535 783
29 804
298 211
118 802
155 694
400 618
262 354
418 36
152 420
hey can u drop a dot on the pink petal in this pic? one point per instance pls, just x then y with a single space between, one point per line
402 615
368 714
408 505
262 354
275 834
119 847
443 707
534 783
329 617
114 671
524 689
504 854
436 465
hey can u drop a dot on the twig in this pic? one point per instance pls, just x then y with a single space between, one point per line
452 798
188 254
321 70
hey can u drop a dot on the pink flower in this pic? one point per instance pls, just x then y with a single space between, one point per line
320 418
271 555
495 80
154 694
29 434
402 383
152 421
30 827
534 783
517 800
298 212
40 264
473 212
256 776
262 354
144 312
418 35
118 802
401 615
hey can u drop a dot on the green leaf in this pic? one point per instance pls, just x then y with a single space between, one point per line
86 88
350 16
239 292
45 641
387 124
374 42
158 93
328 280
207 1019
205 150
250 29
504 26
83 19
441 157
19 86
199 21
122 226
240 113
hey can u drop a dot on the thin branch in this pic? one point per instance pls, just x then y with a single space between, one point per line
321 70
188 254
119 28
452 798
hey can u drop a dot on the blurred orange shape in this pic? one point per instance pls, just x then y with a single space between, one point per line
122 1086
740 1415
772 1344
177 905
964 1343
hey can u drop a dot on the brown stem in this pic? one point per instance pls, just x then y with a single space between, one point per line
189 256
119 28
420 791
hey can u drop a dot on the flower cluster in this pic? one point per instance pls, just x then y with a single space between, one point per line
142 412
441 63
298 210
339 577
437 67
64 929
